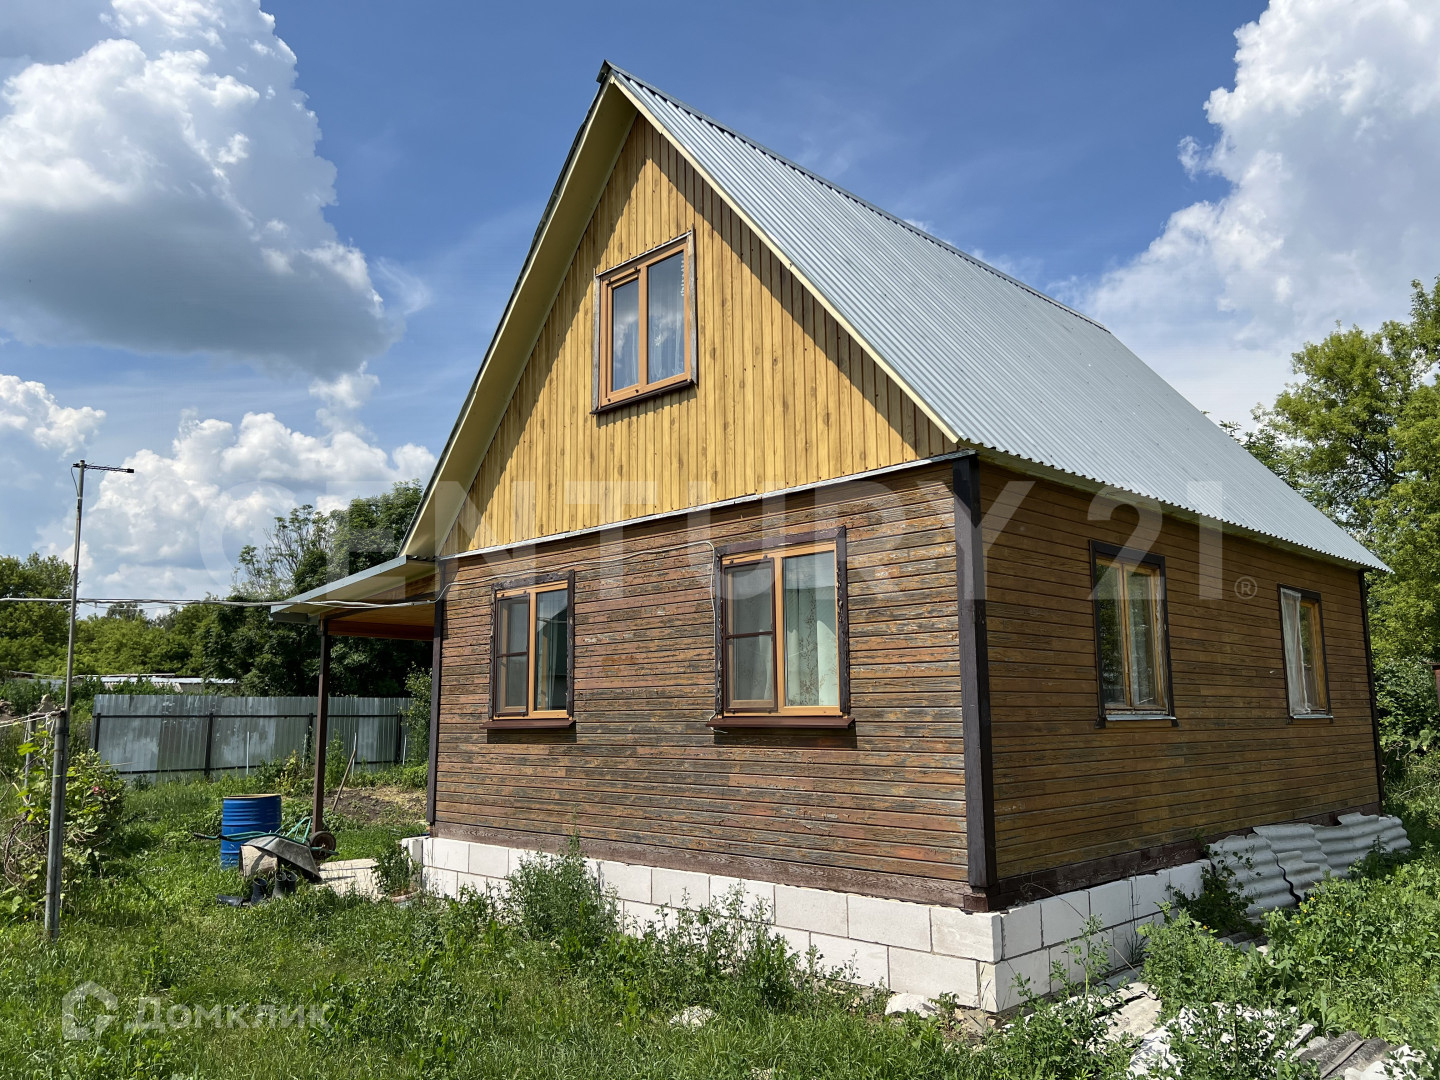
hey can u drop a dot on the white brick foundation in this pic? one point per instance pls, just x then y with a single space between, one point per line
912 948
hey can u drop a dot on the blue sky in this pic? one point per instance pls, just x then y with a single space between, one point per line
1069 144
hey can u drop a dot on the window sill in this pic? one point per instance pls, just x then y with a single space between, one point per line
1153 719
1313 718
770 720
522 723
667 387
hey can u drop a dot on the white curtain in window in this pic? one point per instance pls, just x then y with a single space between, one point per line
1294 651
625 335
812 645
1144 600
665 302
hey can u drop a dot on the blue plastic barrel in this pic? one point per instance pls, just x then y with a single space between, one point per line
243 814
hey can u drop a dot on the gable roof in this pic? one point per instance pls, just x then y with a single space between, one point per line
995 363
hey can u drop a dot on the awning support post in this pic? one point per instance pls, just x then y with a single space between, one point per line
322 731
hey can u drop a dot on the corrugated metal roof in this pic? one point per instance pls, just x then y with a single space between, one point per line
1000 364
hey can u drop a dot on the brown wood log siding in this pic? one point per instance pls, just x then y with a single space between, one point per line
1068 791
880 809
784 397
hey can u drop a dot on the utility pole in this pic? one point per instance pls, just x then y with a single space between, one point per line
55 857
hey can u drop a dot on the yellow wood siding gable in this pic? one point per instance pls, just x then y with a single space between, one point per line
784 397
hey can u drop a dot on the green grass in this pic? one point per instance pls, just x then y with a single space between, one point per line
543 984
426 989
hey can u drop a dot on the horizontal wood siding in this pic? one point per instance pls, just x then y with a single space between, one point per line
881 809
784 397
1067 791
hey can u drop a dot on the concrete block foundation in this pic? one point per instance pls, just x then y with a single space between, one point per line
934 949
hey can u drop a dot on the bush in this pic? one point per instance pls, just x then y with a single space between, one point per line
555 898
1412 793
1364 952
721 955
285 776
1359 953
417 719
1220 905
94 803
395 871
1066 1036
1409 714
1186 964
1227 1042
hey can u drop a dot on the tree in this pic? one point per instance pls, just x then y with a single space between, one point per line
295 550
370 530
1359 435
302 551
125 640
1336 434
33 636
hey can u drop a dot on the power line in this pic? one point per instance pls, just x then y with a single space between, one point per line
214 603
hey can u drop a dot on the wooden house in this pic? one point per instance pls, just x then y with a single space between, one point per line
780 544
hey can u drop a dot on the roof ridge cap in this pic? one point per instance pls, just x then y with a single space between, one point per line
610 70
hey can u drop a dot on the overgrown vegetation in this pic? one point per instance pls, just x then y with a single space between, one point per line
1218 906
94 796
1360 953
539 981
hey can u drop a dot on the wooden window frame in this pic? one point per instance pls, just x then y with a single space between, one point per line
1328 714
532 719
1106 713
782 716
605 284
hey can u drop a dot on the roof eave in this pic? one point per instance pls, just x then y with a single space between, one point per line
1041 471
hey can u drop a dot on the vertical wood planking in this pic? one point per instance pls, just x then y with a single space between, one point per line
785 398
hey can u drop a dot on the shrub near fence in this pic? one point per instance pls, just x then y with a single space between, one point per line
185 736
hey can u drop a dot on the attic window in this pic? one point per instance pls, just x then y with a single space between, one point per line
646 325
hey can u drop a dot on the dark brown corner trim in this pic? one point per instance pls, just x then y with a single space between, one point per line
436 658
974 673
1370 679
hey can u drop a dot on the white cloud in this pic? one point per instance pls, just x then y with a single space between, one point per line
174 527
161 192
29 409
1328 142
343 396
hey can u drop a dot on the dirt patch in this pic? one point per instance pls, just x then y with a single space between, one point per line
383 805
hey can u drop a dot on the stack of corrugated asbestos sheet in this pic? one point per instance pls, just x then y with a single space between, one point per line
1279 865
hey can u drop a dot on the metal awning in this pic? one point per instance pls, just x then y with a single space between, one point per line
394 599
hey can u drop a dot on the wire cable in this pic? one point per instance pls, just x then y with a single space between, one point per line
356 604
